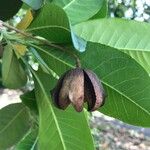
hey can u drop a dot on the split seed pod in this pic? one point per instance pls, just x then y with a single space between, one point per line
76 87
94 92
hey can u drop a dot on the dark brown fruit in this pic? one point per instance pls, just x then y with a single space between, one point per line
73 88
94 92
55 94
70 89
77 86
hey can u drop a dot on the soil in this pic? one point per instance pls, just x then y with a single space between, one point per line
112 134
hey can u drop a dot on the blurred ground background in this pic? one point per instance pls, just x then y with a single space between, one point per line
112 134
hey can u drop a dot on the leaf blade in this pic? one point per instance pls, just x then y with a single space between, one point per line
129 36
103 12
29 100
29 141
63 133
75 9
14 124
13 75
55 28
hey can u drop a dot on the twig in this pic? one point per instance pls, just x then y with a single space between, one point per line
44 41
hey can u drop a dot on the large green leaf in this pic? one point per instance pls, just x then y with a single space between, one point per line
129 36
142 57
35 4
13 75
30 101
29 141
79 10
126 82
102 13
58 129
0 74
59 66
14 123
8 8
51 23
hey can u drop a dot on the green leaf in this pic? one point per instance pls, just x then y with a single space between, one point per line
78 10
125 36
58 129
41 62
30 101
59 66
51 23
9 8
14 123
126 82
35 4
13 75
102 13
129 36
29 141
142 57
78 43
0 74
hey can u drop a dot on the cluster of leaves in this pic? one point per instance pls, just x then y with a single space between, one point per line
117 50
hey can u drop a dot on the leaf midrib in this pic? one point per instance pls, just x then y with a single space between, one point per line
45 27
34 143
126 97
65 7
55 118
12 120
53 56
128 49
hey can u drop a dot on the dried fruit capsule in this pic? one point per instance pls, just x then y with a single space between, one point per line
62 104
94 92
76 87
73 88
70 89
